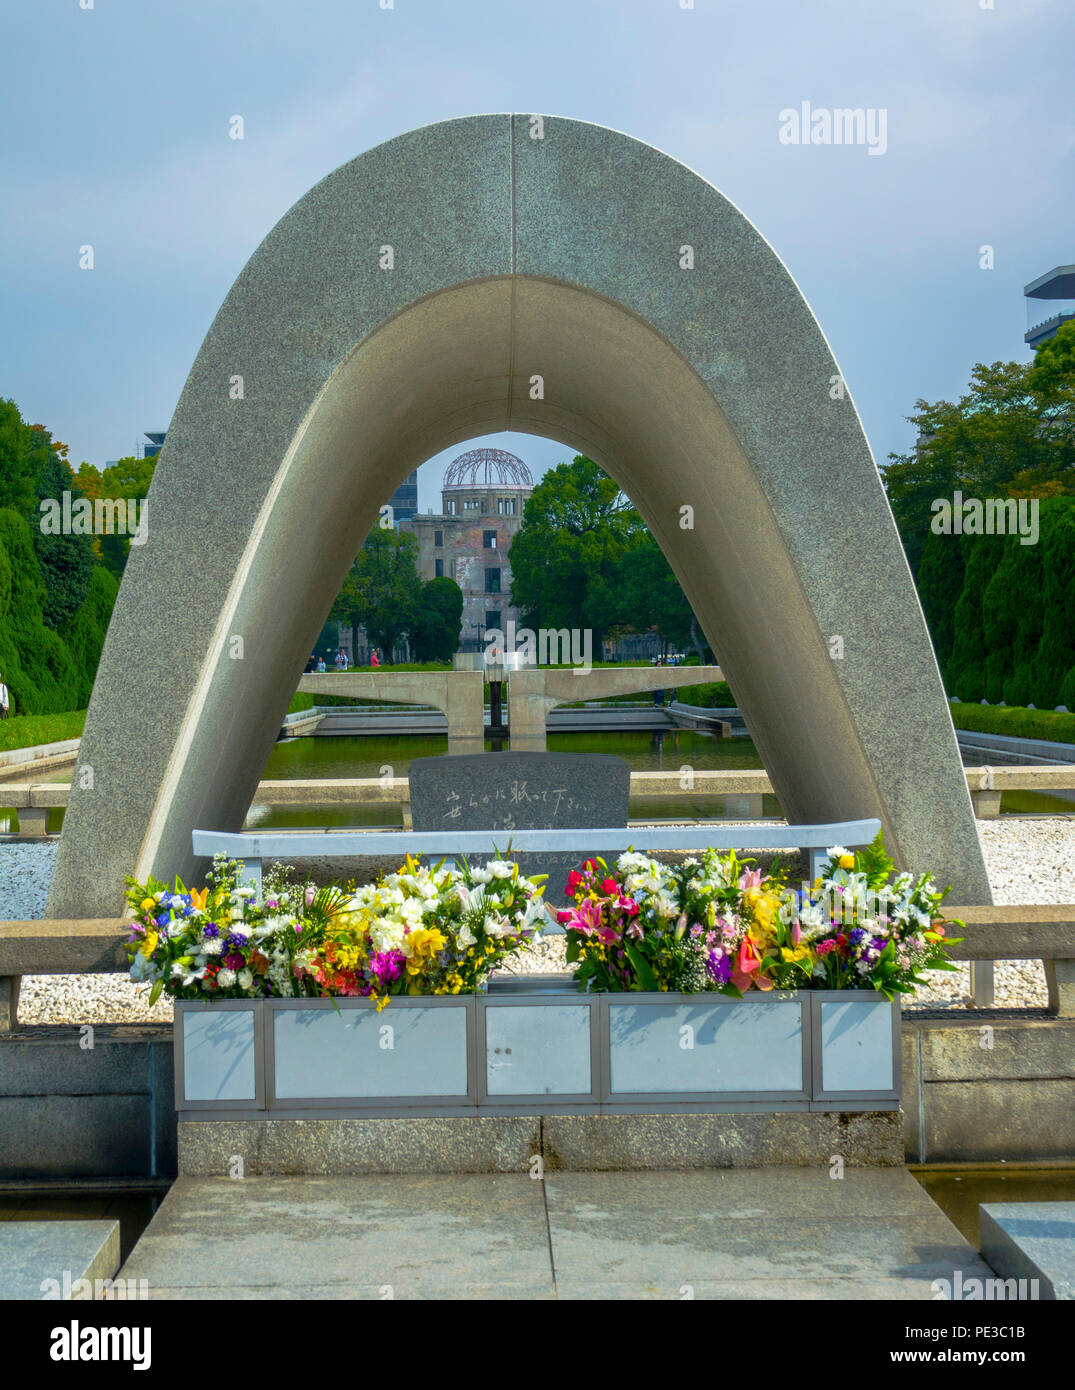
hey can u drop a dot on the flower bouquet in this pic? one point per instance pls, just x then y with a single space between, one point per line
717 923
420 930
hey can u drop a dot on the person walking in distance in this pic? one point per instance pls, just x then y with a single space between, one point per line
5 700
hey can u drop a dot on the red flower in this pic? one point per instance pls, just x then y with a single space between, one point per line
609 888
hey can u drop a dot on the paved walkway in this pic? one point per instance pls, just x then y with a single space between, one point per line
742 1233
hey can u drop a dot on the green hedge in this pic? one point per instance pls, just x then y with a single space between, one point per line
713 695
47 671
29 730
1000 612
1015 722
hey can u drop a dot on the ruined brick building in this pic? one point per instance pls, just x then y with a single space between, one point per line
482 503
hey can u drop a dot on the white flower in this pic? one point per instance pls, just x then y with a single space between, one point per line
225 978
387 934
213 946
500 868
246 979
465 937
535 912
481 875
412 912
496 926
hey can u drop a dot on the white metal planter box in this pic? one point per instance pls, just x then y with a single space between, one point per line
538 1049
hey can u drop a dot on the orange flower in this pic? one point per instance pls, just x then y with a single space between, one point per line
199 897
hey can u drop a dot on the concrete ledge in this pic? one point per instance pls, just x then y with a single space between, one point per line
982 1087
33 1252
68 1111
1031 1240
92 945
1022 932
500 1144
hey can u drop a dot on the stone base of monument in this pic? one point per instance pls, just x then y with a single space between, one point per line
540 1143
473 1082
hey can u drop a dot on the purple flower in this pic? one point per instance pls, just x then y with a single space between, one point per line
858 935
211 931
719 967
387 966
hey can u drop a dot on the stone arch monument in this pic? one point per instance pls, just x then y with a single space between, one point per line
553 277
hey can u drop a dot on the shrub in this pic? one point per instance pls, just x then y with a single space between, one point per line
1054 725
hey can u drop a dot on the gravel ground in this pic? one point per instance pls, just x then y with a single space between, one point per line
1029 861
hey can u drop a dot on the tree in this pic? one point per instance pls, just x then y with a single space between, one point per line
437 620
24 453
650 597
67 561
1011 435
565 559
128 478
382 588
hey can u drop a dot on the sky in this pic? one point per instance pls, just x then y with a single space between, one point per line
115 118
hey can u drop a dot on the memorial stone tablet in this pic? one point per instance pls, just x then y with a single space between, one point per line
505 792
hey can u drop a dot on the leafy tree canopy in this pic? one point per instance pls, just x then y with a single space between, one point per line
382 588
1011 435
583 558
437 620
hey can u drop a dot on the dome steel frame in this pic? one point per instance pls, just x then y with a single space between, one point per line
499 469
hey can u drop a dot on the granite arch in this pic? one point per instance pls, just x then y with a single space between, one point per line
710 387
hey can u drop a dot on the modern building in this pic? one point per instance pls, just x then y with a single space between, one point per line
144 451
482 503
1042 320
404 501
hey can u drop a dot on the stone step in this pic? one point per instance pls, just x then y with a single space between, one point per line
768 1233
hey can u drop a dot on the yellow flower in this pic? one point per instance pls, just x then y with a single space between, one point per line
421 946
199 897
846 861
147 905
149 945
793 956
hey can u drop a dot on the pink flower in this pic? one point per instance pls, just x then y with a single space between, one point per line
627 905
586 918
